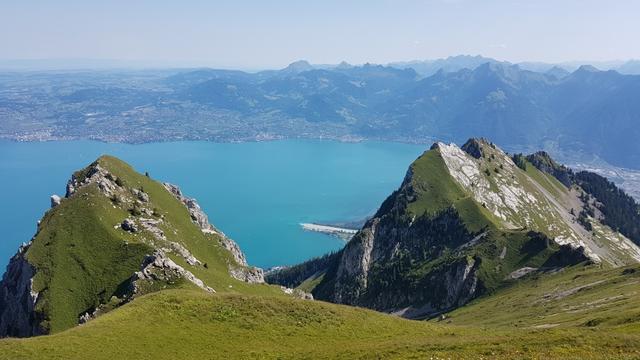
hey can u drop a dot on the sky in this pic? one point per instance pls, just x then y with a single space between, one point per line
257 34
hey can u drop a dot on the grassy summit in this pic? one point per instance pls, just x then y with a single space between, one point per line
463 223
84 260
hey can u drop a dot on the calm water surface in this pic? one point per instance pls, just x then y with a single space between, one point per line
257 193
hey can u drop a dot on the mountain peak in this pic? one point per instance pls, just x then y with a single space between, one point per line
587 69
115 236
344 65
474 147
557 72
298 67
496 220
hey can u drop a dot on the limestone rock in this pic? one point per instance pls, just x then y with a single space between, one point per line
297 293
141 195
95 174
84 318
129 225
55 200
17 298
473 147
252 275
159 267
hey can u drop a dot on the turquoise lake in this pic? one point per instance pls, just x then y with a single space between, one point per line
257 193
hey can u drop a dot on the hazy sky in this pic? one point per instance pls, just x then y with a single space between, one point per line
272 33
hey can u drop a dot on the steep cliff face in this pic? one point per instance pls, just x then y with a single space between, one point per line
374 269
543 161
464 221
17 298
115 236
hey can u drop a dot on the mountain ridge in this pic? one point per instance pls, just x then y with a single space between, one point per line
463 222
581 114
115 236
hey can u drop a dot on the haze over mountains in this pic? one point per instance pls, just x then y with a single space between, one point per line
459 62
424 67
583 113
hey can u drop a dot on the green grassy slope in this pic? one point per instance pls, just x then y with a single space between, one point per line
434 191
181 324
581 297
82 257
74 255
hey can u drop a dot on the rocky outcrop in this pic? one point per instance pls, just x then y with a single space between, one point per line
456 285
55 200
373 268
129 225
240 270
107 183
157 271
353 271
17 299
252 275
159 267
473 147
141 195
197 215
543 161
296 293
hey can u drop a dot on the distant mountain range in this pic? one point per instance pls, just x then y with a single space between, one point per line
459 62
585 114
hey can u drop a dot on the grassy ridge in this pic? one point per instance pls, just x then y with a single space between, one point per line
441 219
178 227
436 191
82 257
74 255
180 324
